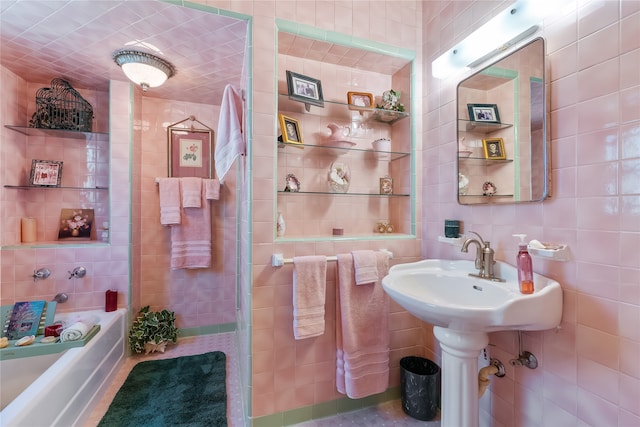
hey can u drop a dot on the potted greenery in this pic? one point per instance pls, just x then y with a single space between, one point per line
152 331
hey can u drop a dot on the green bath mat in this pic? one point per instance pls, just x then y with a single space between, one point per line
185 391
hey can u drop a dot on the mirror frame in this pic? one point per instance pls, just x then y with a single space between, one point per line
545 180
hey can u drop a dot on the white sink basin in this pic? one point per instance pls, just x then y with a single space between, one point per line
442 293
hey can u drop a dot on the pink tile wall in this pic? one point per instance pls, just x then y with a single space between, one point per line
200 297
586 376
293 374
107 266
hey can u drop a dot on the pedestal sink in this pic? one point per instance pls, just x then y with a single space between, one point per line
464 310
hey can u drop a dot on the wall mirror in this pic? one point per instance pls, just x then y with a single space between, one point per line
503 154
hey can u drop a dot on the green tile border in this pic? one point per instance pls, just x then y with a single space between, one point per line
322 410
206 330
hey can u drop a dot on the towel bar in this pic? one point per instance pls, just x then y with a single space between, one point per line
278 260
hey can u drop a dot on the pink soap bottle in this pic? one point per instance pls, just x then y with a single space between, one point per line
525 266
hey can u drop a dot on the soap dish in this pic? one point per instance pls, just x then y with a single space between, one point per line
551 252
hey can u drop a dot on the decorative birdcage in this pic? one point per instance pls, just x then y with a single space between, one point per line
61 107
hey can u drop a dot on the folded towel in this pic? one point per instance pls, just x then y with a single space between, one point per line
211 189
169 189
191 188
364 263
191 240
309 289
230 140
75 332
362 331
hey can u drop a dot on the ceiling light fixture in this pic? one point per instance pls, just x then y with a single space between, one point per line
143 68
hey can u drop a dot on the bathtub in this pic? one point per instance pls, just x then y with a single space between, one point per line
61 389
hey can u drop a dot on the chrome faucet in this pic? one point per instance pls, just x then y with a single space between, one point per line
484 258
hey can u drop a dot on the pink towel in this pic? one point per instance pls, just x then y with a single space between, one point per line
309 289
211 189
169 201
230 140
191 188
191 240
362 331
366 269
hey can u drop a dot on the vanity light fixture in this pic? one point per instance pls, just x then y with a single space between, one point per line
509 27
143 68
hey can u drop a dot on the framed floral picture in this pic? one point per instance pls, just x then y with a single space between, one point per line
75 224
190 152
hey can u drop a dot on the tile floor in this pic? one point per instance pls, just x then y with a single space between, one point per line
386 414
186 346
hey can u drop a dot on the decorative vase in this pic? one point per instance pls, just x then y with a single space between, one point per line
339 177
75 232
280 225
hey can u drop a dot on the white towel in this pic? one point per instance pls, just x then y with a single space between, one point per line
75 332
169 201
365 266
230 140
309 289
191 188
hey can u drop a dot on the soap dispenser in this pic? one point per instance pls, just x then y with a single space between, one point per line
525 267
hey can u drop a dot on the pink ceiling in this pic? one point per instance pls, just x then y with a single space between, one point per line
75 40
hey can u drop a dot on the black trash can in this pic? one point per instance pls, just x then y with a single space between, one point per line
419 387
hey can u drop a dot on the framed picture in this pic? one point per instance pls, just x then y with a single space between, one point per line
487 113
190 152
494 149
386 185
75 224
304 89
45 173
358 100
291 130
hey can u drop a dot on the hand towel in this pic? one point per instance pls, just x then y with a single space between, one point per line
362 331
169 201
230 139
75 332
211 189
309 289
364 263
191 240
191 189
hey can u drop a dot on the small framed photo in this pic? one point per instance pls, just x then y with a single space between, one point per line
190 152
291 130
386 185
293 185
494 149
486 113
304 89
45 173
358 100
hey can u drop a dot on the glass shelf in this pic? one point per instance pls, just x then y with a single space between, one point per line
485 161
375 114
487 197
58 133
480 127
38 187
392 155
329 193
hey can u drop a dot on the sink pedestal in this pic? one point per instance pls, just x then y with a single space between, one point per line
460 351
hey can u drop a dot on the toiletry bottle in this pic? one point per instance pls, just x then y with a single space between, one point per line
525 267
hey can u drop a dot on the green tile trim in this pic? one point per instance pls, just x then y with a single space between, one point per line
322 410
207 330
344 39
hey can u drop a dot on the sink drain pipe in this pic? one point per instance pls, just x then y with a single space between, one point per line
495 368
